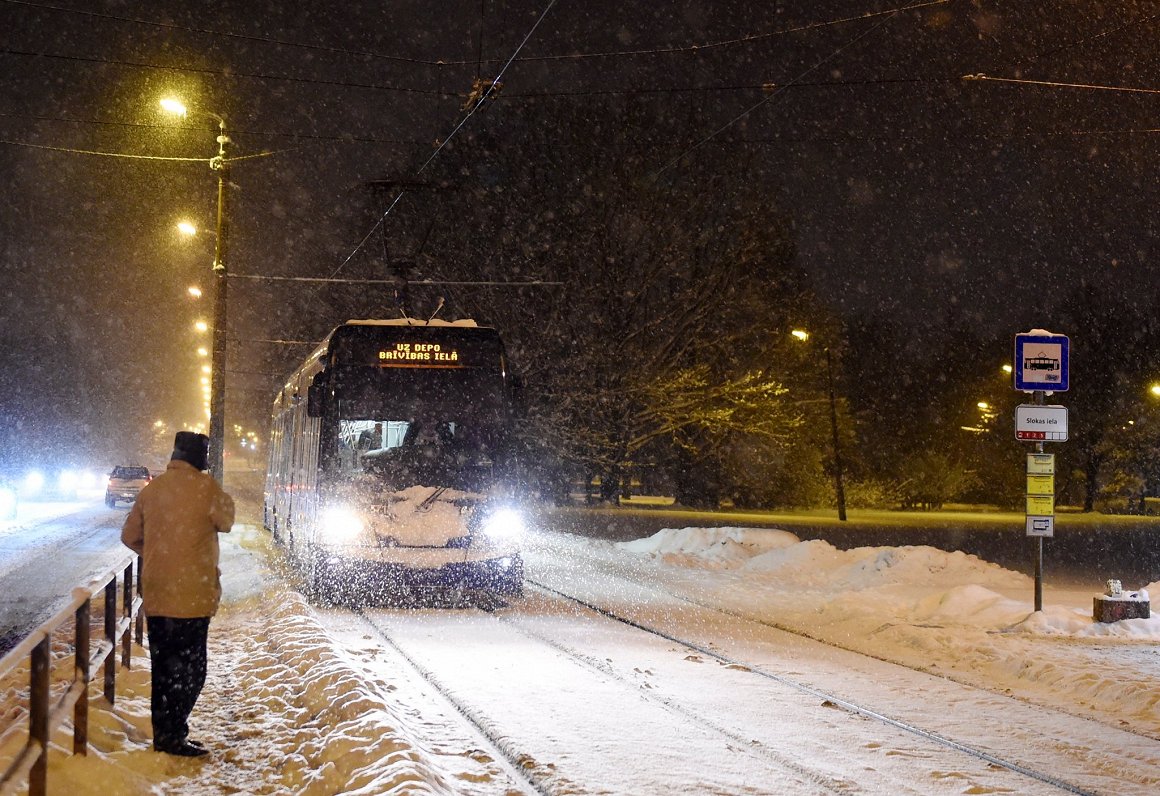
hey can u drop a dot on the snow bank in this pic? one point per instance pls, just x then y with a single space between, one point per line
711 548
284 711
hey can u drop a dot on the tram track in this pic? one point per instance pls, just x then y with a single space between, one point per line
629 575
824 697
538 778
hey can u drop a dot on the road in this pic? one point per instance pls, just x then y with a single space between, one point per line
47 551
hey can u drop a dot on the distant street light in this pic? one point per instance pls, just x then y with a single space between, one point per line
195 291
1155 389
839 489
219 164
187 229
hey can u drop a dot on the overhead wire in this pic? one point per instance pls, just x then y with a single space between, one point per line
1088 39
471 112
772 95
201 70
224 33
479 61
73 151
698 48
1060 84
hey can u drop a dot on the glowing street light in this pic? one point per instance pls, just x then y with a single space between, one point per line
174 106
201 326
194 291
187 229
220 165
1154 389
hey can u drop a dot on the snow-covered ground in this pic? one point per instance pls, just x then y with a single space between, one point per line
293 708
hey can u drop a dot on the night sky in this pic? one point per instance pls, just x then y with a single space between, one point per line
913 193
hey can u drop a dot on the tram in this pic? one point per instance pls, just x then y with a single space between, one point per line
388 460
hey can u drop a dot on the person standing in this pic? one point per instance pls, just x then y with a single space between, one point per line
174 526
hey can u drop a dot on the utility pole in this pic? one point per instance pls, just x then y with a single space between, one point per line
217 400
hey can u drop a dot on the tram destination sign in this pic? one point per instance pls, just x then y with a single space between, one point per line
1036 423
416 354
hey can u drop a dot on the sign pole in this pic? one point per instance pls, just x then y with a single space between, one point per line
1041 367
1039 539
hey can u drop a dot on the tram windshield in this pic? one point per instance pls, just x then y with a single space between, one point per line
416 451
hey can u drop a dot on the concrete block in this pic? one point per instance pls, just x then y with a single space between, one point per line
1113 609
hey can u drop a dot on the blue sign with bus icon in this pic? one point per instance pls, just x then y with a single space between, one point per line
1041 362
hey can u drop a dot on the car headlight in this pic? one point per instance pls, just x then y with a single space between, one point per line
33 482
341 524
504 524
68 480
7 501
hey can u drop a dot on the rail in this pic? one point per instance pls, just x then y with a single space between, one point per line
31 764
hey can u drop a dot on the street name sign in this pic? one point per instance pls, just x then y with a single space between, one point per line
1039 423
1041 362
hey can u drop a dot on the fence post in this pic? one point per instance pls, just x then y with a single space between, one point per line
111 636
38 716
81 708
127 612
140 614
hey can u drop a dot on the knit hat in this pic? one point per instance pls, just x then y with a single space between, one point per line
189 446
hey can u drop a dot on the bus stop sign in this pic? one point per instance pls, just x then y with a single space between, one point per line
1041 362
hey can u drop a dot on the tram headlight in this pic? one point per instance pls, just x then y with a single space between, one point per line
504 524
341 524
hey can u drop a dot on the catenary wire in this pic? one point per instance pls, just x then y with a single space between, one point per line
230 73
479 61
1087 39
774 94
471 112
1060 84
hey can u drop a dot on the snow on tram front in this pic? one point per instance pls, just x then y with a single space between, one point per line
393 473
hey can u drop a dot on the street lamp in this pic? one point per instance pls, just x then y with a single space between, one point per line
839 490
219 164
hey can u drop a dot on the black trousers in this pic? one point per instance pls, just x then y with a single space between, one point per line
177 649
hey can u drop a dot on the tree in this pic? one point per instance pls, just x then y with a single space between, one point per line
663 342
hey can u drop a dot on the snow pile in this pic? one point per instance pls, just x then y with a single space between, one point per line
711 548
952 613
284 711
815 563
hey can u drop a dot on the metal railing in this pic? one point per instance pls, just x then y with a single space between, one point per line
31 764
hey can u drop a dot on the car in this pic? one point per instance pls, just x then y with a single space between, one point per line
125 482
54 482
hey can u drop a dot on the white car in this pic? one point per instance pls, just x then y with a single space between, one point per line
125 482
